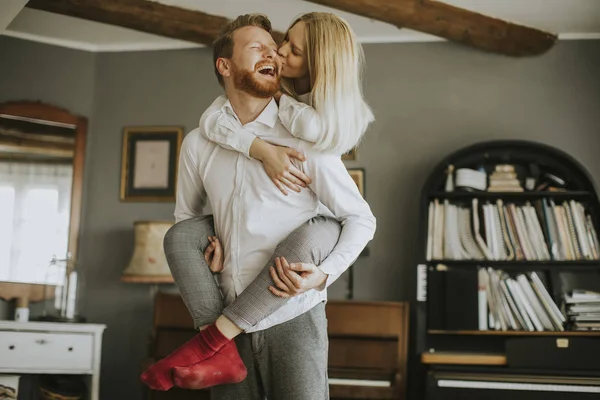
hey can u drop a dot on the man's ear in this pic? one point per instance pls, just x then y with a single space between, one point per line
224 67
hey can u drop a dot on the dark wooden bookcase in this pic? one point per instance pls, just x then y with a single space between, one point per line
509 356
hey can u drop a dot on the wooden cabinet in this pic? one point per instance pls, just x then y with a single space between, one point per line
52 348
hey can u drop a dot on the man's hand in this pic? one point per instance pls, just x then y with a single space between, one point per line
277 161
214 255
294 279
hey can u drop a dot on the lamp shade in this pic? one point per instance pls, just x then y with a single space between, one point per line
148 263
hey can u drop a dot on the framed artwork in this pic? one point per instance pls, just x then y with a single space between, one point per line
358 176
149 163
350 156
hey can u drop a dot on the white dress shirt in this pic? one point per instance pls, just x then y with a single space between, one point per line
252 216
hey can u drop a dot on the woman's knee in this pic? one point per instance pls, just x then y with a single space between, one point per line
194 229
320 229
311 241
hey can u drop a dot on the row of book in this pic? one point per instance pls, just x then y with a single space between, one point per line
541 231
519 303
583 310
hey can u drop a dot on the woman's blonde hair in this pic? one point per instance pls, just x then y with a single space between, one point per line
335 64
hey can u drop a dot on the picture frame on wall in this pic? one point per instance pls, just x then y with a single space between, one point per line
149 163
358 176
350 156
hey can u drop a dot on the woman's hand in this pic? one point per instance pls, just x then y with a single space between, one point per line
294 279
214 255
278 165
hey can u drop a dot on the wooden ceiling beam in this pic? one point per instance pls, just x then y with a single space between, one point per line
9 9
452 23
145 16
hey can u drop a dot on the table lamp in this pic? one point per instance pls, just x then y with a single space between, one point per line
148 263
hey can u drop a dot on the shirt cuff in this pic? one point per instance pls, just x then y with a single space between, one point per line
334 267
246 138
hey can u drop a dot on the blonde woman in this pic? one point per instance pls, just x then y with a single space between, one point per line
314 44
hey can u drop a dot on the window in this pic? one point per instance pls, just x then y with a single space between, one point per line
7 205
34 218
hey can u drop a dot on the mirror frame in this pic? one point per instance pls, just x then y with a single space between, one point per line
47 112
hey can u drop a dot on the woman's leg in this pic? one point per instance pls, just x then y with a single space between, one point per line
184 246
310 243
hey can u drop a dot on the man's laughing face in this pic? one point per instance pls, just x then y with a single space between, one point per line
255 67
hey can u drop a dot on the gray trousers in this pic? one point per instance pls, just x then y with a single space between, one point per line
285 362
312 242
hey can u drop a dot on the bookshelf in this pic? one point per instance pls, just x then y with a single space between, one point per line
449 331
578 195
581 265
513 333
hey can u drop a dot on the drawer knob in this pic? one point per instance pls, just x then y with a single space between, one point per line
70 349
40 341
11 347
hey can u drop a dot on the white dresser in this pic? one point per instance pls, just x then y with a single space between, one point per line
52 348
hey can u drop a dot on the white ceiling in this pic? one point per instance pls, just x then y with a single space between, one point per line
571 19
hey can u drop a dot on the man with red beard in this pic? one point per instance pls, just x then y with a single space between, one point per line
285 355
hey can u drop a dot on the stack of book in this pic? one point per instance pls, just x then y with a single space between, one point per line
583 310
538 231
521 303
504 179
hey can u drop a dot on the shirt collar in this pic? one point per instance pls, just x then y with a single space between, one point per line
305 98
267 117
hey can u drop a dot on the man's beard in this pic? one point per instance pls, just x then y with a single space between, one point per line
246 81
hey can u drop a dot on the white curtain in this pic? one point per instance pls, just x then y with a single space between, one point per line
35 203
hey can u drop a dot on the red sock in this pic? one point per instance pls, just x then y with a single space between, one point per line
224 367
202 346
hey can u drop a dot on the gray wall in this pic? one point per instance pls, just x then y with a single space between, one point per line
429 100
55 75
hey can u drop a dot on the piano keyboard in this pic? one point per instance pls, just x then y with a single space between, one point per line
421 282
359 382
530 387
